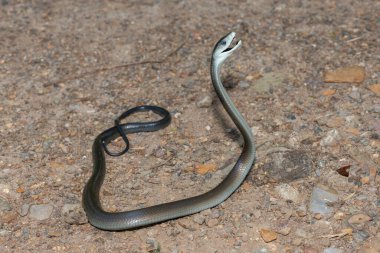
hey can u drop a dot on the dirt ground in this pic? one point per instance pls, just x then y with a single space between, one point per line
69 68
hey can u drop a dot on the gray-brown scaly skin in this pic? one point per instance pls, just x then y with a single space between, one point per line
154 214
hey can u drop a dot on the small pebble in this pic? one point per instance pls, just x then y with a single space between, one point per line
332 250
301 212
212 222
41 212
262 250
243 84
4 232
284 231
364 180
359 219
199 219
287 192
215 213
339 215
331 138
24 210
297 241
187 224
205 102
244 237
355 94
206 212
361 235
153 245
321 198
268 235
4 205
74 214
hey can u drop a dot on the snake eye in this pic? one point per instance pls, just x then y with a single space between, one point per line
223 43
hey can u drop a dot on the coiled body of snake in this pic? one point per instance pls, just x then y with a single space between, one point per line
167 211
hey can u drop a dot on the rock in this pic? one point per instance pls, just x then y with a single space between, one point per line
339 215
284 231
361 235
333 250
286 166
74 214
376 108
206 212
262 250
320 198
212 222
205 102
364 180
24 210
375 88
244 237
4 232
4 205
187 224
215 213
268 235
243 84
355 94
254 76
153 245
354 74
199 219
301 210
297 241
331 138
287 192
41 212
359 219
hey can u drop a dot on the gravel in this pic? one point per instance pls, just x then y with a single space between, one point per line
306 79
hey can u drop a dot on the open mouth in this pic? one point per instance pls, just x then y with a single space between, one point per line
232 47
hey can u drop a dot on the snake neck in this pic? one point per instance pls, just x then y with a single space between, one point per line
228 104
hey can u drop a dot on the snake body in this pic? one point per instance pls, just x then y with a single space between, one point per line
167 211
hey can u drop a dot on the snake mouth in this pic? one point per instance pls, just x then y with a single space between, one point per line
230 48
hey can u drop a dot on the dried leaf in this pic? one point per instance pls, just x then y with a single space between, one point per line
344 171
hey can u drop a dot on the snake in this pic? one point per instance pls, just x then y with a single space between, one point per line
133 219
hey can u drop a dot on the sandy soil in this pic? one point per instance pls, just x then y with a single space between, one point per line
69 68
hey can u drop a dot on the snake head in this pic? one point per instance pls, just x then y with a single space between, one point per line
223 48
